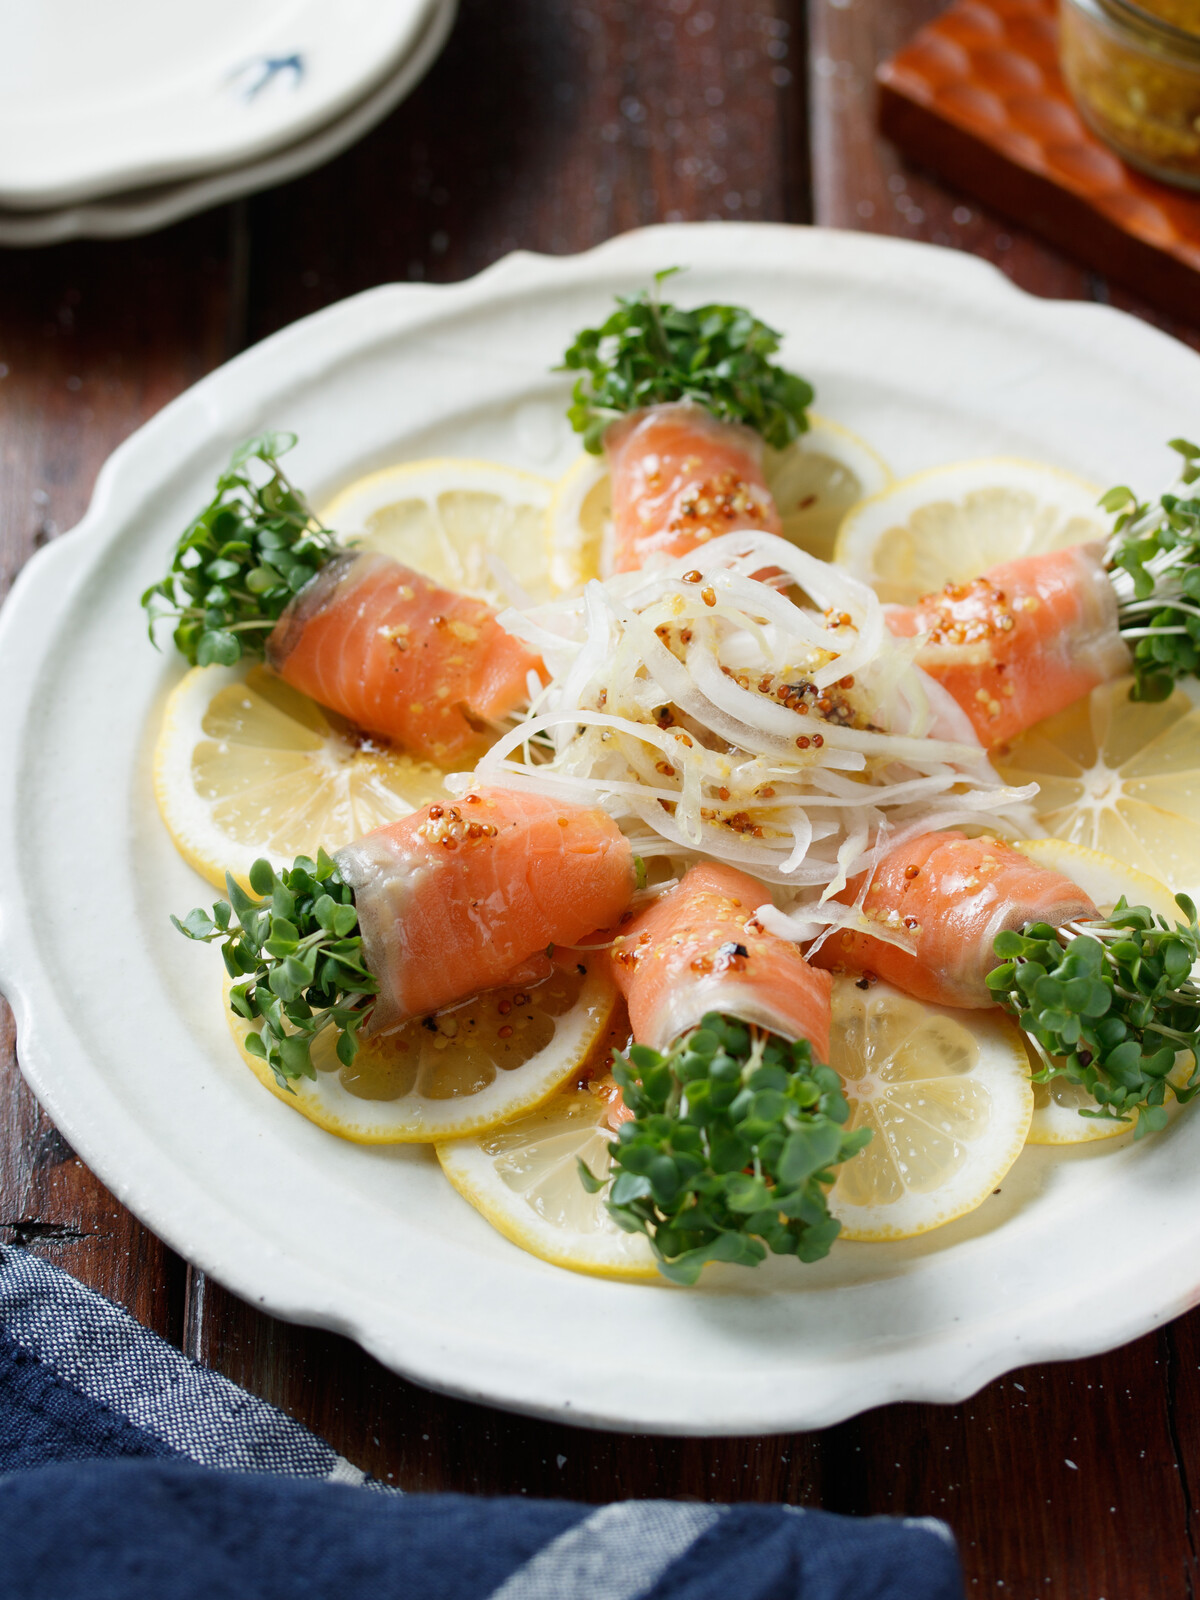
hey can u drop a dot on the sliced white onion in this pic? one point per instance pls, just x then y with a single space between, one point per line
695 787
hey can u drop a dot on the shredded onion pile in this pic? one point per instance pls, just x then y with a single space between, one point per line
711 715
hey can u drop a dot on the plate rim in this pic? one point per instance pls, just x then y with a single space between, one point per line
124 215
950 1364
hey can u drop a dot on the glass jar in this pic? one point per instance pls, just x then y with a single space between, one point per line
1134 71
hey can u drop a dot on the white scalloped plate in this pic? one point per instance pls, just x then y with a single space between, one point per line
102 97
929 355
136 211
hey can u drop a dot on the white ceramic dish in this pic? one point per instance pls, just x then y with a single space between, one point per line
138 211
101 98
930 355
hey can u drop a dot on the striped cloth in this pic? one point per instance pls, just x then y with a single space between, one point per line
128 1472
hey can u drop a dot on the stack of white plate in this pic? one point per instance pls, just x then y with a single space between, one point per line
122 117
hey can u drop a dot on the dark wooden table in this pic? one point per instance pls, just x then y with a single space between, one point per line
549 126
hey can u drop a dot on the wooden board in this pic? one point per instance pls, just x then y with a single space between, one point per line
551 132
977 95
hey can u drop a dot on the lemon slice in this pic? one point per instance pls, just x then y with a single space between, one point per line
948 1099
1120 776
1057 1104
523 1178
952 523
579 522
1102 878
454 521
246 767
817 480
458 1072
814 481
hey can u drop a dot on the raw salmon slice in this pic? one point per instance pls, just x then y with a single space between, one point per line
699 948
952 895
679 478
399 656
1024 641
453 899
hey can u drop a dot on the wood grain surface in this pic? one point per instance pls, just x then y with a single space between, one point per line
550 126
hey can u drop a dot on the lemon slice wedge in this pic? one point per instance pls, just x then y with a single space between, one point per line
947 1097
579 521
461 1071
1057 1104
819 478
814 481
246 767
462 523
1101 877
950 524
1119 776
523 1178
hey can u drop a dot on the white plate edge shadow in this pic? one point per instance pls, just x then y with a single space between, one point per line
221 1242
127 215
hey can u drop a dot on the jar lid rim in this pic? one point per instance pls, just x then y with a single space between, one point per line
1131 13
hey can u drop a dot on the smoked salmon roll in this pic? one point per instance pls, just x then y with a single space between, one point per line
1106 1002
681 403
699 949
257 574
399 656
680 478
728 1124
1027 639
953 896
454 898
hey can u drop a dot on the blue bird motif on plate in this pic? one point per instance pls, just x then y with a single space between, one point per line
249 80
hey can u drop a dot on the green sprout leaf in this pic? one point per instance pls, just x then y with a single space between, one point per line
731 1150
1108 1004
587 1177
1154 562
292 947
242 560
649 352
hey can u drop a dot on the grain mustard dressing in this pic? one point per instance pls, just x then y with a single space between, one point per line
460 1051
1134 71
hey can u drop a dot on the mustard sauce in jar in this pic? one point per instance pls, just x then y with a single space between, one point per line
1134 70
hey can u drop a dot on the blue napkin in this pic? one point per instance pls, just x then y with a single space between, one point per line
132 1473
